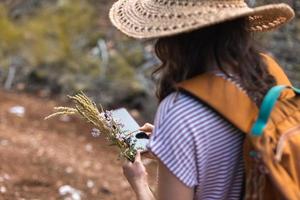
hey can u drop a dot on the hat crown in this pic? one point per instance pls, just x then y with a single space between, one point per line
203 1
219 1
211 3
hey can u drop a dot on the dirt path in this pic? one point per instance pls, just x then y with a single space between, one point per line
38 157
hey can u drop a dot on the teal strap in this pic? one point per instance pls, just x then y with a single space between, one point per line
267 106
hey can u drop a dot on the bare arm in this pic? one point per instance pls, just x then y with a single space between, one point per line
137 177
169 186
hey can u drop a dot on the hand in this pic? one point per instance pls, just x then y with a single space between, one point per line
136 174
147 128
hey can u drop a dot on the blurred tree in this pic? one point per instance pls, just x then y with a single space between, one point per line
11 38
285 42
57 43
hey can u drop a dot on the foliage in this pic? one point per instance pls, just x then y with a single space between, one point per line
11 38
55 45
285 43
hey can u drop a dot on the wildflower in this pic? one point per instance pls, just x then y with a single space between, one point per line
103 121
119 137
108 115
95 132
119 124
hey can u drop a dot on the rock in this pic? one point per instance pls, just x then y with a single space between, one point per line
3 189
18 111
89 147
4 142
90 183
69 192
69 170
105 190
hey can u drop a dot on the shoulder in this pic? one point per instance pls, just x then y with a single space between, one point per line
175 103
181 109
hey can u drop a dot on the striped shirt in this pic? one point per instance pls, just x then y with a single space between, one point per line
199 147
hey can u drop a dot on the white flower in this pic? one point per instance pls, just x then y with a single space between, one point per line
119 124
119 137
95 132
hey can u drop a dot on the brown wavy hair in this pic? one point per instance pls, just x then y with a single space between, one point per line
227 47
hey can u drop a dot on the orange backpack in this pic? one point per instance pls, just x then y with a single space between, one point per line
272 144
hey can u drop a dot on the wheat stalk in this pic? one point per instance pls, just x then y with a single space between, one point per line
102 120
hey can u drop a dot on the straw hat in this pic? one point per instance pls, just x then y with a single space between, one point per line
157 18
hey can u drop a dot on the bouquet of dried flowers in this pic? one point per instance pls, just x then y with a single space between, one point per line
103 121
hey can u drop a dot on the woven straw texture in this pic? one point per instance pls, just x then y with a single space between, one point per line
147 19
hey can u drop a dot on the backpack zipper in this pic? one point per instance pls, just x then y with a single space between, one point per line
289 133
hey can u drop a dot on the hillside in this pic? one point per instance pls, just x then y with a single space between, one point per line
41 157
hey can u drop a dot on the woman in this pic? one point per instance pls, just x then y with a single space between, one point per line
199 152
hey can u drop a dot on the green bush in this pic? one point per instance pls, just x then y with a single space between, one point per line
55 45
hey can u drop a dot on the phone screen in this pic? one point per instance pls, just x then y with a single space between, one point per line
130 125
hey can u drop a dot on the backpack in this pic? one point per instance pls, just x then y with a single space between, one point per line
272 142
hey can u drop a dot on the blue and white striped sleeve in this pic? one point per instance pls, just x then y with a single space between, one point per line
173 142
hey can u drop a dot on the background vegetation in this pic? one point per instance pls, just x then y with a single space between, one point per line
285 43
63 46
60 47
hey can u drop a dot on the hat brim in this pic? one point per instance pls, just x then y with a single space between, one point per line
152 21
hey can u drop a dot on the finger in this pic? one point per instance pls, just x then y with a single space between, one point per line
147 127
123 160
143 128
138 157
148 133
127 165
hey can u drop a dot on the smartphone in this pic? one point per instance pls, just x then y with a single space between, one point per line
138 139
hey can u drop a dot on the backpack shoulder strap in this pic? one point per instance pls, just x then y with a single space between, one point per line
229 100
278 74
224 97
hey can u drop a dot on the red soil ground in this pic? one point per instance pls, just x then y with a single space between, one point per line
37 157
